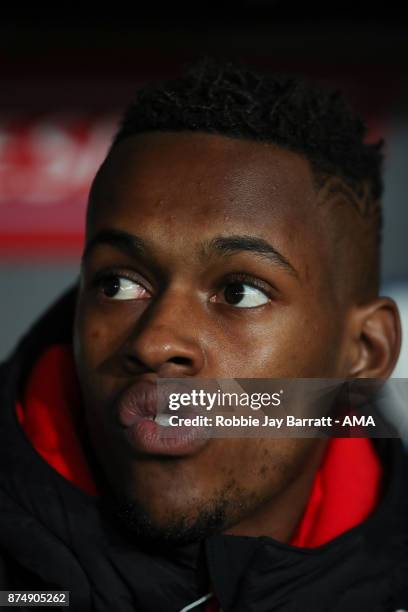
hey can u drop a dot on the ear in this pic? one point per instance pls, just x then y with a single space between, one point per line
376 339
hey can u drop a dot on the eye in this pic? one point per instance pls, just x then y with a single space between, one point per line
244 295
117 287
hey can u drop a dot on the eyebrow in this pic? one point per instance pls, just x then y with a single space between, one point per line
134 246
229 245
123 241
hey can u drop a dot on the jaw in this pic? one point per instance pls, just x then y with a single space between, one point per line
188 498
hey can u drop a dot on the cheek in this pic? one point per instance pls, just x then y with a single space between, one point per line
94 340
282 342
97 334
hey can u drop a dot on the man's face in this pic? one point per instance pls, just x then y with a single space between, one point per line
195 299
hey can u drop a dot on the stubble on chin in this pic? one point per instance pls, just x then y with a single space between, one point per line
176 528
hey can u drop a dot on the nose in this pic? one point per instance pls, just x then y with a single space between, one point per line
166 338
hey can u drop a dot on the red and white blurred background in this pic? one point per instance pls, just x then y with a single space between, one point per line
64 87
47 162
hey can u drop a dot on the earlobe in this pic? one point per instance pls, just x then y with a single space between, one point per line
377 339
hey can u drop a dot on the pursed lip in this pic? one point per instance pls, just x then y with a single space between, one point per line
136 409
144 400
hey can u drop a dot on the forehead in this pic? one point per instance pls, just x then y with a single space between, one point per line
203 173
186 186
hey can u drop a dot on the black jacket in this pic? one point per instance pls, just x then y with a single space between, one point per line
55 537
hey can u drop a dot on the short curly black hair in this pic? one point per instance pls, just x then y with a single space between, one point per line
226 99
231 100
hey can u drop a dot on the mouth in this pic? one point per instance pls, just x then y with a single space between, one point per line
147 427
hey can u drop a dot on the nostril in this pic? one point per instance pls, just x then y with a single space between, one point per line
180 360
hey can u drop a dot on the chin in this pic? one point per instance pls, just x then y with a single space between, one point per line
174 527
